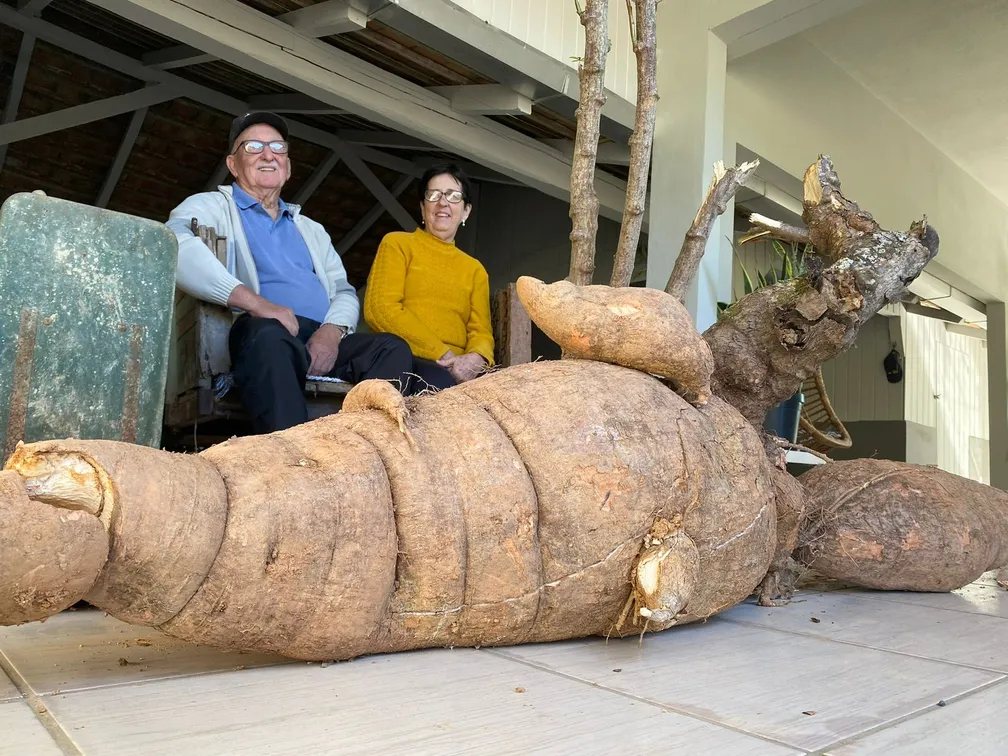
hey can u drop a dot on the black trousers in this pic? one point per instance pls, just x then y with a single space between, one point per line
270 367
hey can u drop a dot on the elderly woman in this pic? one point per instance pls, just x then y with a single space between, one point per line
429 292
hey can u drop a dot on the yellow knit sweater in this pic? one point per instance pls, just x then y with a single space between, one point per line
430 293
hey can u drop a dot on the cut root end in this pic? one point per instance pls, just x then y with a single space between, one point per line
68 480
662 579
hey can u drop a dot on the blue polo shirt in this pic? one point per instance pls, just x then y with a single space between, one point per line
286 274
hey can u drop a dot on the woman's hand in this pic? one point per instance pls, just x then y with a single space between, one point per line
467 366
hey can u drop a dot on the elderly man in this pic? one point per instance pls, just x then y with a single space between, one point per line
298 311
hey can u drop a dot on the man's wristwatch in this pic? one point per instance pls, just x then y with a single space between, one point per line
343 330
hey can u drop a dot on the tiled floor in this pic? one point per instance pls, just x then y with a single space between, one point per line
866 678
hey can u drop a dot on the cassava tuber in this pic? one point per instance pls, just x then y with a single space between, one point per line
528 505
901 527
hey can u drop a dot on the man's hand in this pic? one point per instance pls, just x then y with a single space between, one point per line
285 315
244 298
323 347
467 366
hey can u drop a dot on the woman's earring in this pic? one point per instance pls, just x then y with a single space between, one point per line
463 223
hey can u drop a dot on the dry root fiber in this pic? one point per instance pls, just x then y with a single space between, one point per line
644 329
779 582
895 526
532 503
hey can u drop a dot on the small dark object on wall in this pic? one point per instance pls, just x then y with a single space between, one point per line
893 364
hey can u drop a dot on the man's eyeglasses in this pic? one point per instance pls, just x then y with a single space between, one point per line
454 196
255 146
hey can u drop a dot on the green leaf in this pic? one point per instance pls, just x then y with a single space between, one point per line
761 279
747 287
787 271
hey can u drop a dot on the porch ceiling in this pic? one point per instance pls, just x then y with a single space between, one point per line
145 162
941 66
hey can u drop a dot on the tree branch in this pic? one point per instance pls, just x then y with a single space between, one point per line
723 187
764 227
770 341
584 202
645 47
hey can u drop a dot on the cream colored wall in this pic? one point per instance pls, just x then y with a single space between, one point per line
856 381
789 103
946 377
552 27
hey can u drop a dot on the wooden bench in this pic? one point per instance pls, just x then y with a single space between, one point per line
200 365
199 411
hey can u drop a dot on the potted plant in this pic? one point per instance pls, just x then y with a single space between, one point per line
782 420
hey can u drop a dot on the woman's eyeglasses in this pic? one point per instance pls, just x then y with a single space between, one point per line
454 196
255 146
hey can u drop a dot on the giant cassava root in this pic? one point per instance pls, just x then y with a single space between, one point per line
531 505
644 329
901 527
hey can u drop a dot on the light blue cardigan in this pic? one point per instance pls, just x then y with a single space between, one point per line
201 275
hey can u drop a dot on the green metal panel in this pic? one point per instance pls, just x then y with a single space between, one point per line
86 300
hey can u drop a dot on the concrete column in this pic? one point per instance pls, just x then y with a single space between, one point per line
997 387
689 138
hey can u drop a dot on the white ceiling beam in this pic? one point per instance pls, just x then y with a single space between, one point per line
373 156
17 86
125 148
315 180
292 102
179 56
386 139
366 176
326 19
220 173
485 99
371 217
749 25
473 171
197 92
323 19
607 153
449 28
80 114
264 46
32 7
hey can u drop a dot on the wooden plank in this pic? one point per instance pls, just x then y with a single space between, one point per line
512 328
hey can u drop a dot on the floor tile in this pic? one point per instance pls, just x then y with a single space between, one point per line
979 640
7 690
762 681
86 649
21 733
435 702
976 598
989 578
974 725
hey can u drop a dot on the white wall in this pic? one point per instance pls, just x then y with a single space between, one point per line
856 381
946 388
789 103
552 27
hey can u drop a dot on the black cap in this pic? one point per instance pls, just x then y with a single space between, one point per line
242 122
